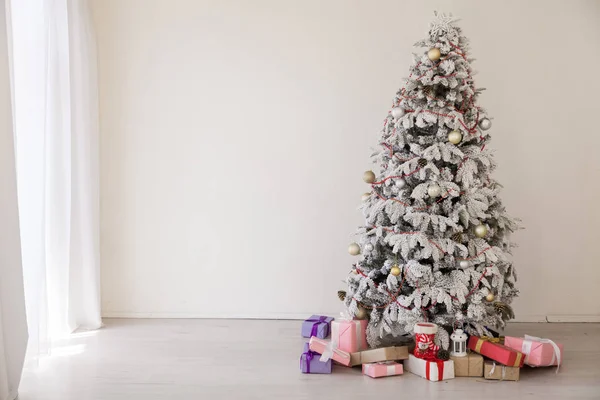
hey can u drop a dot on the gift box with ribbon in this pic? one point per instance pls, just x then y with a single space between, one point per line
496 351
310 362
329 351
538 352
381 369
316 325
432 370
469 365
498 372
393 353
350 334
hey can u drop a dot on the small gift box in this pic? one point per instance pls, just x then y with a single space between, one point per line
380 369
469 365
378 355
496 351
350 335
310 363
316 325
328 351
538 352
434 371
500 372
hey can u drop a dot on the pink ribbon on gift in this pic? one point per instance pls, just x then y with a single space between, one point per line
528 342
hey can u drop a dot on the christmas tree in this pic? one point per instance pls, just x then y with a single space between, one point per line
435 242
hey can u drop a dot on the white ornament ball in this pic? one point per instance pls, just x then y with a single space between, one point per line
434 190
481 230
400 183
365 196
454 137
368 247
485 124
398 112
464 264
354 249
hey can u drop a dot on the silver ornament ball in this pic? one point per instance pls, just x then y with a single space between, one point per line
481 230
464 264
485 124
398 112
400 183
434 190
369 247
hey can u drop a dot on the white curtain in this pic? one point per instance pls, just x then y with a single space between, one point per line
13 327
56 130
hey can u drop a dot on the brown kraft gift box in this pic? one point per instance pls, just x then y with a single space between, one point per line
495 371
470 365
377 355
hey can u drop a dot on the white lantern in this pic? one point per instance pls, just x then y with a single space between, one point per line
459 343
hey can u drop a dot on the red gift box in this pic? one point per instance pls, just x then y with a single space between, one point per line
497 352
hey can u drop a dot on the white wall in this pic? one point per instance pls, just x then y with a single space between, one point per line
235 134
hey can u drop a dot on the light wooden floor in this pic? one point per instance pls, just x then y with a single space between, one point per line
253 359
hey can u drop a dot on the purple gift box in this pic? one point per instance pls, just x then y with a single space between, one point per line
310 363
317 325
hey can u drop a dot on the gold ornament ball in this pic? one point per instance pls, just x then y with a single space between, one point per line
490 297
454 137
395 270
434 54
369 176
354 249
481 230
361 313
366 196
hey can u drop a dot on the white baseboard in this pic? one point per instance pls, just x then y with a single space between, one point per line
175 315
573 318
302 316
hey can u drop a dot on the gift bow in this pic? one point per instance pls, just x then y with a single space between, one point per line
345 315
526 349
308 356
492 339
316 323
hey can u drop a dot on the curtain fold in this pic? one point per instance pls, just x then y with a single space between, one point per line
13 326
56 130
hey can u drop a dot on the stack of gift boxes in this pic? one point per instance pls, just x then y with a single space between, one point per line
343 342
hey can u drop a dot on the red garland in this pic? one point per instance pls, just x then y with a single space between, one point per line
440 364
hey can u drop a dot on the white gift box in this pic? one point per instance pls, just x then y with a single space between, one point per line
430 370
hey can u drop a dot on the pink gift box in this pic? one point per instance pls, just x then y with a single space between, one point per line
324 346
538 352
378 370
350 335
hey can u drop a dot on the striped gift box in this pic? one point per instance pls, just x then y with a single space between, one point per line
380 369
